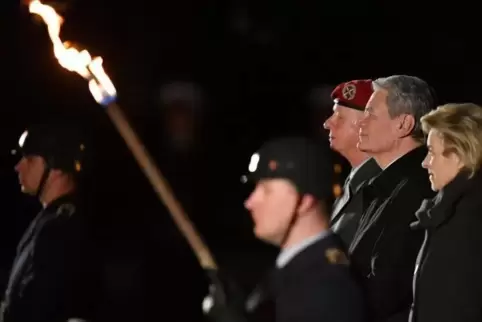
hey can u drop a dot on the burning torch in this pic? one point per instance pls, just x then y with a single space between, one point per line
104 93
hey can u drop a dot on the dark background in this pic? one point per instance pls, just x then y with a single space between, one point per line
262 68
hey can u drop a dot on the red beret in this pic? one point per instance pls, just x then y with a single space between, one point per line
354 94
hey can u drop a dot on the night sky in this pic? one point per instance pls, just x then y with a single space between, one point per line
258 65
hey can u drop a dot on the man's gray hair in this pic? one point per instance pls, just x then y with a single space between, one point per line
408 95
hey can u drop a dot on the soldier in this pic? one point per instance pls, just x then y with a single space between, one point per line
52 277
312 279
349 100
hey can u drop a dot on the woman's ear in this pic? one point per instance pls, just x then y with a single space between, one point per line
458 161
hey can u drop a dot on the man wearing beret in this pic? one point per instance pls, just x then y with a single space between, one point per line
349 100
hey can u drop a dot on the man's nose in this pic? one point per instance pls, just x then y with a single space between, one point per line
248 203
328 123
18 165
425 163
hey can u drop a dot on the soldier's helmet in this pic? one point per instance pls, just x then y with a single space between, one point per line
306 164
62 146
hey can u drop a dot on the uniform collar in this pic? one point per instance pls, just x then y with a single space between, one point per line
363 172
388 179
288 254
67 198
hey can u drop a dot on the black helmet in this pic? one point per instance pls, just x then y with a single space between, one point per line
306 164
61 146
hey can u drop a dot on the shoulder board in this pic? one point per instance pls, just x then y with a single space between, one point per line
66 209
336 256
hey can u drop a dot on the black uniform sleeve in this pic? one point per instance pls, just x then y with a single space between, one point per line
332 298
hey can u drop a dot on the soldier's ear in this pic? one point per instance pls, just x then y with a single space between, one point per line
307 202
56 173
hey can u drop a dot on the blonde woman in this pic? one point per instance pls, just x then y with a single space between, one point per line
448 275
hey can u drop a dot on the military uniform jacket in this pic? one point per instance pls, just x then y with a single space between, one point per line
348 208
316 285
384 249
52 277
448 278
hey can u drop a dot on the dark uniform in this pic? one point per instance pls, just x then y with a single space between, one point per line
53 276
316 284
348 208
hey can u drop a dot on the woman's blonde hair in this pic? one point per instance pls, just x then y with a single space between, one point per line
460 126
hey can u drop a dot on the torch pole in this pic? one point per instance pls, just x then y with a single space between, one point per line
161 186
106 97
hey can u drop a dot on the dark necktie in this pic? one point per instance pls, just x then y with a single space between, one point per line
345 197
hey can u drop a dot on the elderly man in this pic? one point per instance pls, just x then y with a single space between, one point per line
384 248
349 100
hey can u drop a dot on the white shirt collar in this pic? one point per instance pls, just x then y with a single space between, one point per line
287 254
393 161
355 169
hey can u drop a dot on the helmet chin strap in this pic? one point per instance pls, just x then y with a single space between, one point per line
291 224
43 180
260 292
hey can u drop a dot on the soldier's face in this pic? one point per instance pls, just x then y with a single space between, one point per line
344 126
30 170
272 204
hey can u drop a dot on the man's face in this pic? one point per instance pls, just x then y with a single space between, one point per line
272 204
344 126
378 131
30 169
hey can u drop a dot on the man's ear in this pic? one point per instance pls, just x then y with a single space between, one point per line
406 125
55 174
307 202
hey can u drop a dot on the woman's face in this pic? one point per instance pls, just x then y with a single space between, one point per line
442 166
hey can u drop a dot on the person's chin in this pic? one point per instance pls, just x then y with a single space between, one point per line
264 236
27 191
361 146
257 232
335 146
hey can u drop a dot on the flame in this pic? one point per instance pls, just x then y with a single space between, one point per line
81 62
